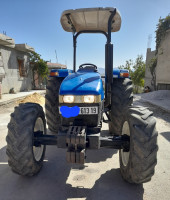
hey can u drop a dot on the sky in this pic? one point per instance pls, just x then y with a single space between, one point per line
37 23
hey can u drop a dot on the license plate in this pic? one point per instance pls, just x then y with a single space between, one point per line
88 110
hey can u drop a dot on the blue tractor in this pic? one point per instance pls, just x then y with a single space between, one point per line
77 103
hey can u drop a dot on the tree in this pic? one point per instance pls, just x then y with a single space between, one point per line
128 66
136 71
39 66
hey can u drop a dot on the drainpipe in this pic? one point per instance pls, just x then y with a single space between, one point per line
2 74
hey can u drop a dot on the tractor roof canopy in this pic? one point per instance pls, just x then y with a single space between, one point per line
90 19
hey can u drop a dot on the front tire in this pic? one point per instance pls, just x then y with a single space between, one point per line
23 157
137 165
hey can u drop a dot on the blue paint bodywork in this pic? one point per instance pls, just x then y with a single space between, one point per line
62 72
82 83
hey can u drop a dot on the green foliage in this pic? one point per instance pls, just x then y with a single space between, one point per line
38 65
152 65
162 27
34 57
41 68
136 71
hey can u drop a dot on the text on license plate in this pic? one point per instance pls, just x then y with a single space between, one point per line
88 110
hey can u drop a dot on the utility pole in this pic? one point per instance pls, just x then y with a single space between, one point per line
56 56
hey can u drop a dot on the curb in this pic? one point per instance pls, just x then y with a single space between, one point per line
17 98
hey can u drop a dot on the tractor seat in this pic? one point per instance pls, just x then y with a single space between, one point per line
87 69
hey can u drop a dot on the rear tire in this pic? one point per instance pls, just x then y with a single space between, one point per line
23 157
52 103
137 165
122 98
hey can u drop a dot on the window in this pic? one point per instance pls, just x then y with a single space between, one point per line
22 70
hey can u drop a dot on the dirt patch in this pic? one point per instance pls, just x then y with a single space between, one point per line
33 98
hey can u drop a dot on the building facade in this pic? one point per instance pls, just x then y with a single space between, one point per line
15 72
162 70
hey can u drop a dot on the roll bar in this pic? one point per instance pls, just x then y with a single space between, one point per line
108 53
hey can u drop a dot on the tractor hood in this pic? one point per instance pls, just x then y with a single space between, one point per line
82 83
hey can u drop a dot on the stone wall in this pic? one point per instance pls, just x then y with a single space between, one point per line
163 64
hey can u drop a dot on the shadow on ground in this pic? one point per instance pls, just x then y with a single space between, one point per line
105 153
109 186
166 135
51 182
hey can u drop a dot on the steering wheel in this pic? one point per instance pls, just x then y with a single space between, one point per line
88 64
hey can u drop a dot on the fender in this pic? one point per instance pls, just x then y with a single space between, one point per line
120 73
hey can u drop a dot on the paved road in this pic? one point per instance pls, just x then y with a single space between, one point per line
99 179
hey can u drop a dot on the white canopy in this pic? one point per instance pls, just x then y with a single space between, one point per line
90 19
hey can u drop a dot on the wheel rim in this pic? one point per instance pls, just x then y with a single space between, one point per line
38 151
125 155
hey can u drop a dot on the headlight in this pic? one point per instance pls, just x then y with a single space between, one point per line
68 99
79 98
89 99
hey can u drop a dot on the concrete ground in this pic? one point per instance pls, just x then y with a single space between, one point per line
99 179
